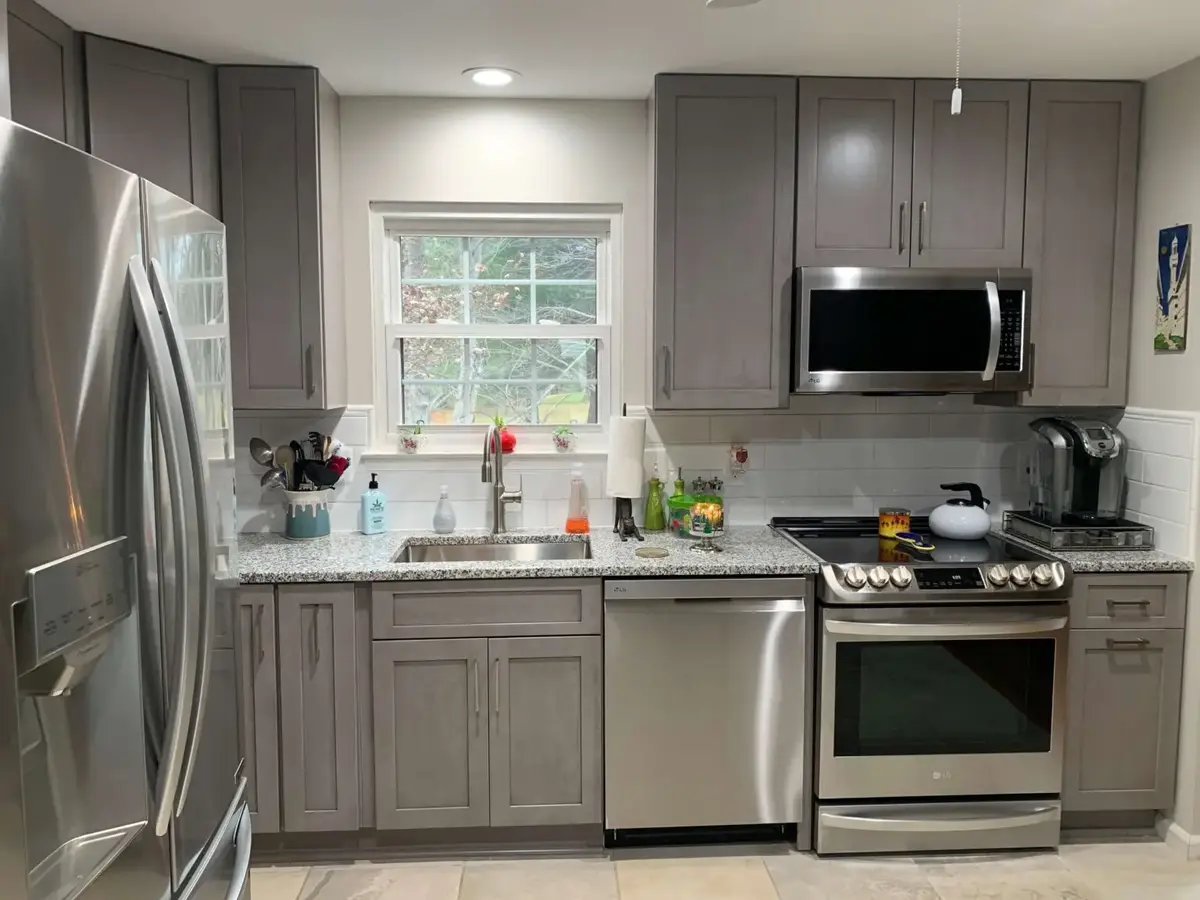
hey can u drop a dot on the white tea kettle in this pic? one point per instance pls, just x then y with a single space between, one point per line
961 519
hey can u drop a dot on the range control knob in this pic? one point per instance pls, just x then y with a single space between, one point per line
998 575
1020 575
901 577
878 577
1043 575
855 577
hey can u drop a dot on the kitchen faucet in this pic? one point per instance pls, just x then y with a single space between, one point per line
500 496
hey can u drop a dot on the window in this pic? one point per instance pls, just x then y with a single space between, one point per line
496 319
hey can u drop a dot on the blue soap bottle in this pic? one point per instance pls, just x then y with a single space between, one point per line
374 508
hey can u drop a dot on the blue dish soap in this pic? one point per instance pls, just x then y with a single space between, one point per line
374 508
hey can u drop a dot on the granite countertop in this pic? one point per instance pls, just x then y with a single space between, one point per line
1092 562
341 557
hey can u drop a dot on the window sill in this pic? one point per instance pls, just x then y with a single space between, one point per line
477 454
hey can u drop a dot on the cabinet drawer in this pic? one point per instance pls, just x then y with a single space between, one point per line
513 608
1129 601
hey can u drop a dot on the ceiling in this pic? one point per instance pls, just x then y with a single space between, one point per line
612 48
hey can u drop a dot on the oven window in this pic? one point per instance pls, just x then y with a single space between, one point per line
917 698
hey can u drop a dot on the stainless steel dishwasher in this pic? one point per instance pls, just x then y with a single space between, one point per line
708 703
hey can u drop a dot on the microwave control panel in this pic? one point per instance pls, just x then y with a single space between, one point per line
1012 305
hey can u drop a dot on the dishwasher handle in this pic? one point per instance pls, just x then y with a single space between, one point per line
703 607
711 589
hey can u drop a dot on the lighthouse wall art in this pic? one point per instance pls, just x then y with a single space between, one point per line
1174 274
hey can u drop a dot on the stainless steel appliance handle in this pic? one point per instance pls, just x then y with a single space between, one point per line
706 589
241 860
903 216
921 227
993 357
965 630
665 353
686 607
166 395
236 809
931 822
206 589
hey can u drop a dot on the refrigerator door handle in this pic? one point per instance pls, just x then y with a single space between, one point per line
199 515
165 393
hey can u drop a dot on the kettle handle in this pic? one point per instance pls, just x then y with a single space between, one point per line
977 498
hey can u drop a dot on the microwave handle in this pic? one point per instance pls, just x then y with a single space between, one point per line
993 357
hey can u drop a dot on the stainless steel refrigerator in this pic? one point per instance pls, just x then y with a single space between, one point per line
120 773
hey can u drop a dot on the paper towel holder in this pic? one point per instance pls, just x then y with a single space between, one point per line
624 526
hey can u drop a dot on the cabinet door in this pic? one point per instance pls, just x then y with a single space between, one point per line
271 193
154 114
969 174
545 734
1123 719
258 703
45 58
1080 205
318 722
724 219
431 733
854 172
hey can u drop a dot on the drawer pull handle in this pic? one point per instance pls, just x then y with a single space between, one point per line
1134 644
1145 604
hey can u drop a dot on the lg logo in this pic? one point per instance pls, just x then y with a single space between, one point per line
941 776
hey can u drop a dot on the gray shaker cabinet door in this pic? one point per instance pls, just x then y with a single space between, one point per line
154 114
1080 207
968 188
546 762
318 715
270 187
45 62
1123 719
724 218
431 733
258 703
854 172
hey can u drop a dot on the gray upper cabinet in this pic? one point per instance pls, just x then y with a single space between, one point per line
1079 232
258 703
854 168
154 114
45 60
1123 719
968 183
318 713
281 181
431 733
546 735
724 218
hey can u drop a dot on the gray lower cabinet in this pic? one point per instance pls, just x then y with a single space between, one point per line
854 166
45 68
968 185
1123 719
724 210
258 703
546 733
1080 208
154 114
280 187
431 733
317 708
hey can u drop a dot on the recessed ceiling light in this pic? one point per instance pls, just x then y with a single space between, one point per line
490 76
728 4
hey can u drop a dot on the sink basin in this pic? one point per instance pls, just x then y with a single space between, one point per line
527 551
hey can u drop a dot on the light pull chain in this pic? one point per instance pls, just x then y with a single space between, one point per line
956 97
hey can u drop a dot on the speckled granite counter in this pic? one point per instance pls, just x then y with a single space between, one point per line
272 559
1091 562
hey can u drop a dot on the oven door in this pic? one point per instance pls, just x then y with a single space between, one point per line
913 330
937 702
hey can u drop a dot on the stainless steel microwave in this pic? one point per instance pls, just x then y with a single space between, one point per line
913 330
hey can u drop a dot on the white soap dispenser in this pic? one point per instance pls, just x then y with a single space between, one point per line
443 517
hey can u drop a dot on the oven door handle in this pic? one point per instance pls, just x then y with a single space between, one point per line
930 822
993 357
964 630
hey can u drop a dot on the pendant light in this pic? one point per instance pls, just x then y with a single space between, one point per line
956 97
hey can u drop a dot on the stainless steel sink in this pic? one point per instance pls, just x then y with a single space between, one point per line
527 551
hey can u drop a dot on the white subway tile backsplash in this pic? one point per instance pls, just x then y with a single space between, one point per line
747 428
1166 471
874 426
821 454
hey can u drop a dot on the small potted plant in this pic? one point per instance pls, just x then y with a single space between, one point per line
412 439
508 440
564 439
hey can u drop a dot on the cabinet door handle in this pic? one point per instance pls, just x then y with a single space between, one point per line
1134 644
921 227
903 216
256 639
1142 603
314 640
310 386
665 353
475 668
496 681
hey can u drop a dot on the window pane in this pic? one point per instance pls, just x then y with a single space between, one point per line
567 304
512 402
569 360
501 358
502 304
571 257
430 303
566 404
430 256
440 358
499 257
432 404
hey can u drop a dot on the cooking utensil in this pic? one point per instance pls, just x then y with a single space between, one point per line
274 478
261 453
286 460
321 444
319 473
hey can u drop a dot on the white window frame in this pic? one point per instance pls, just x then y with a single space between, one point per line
536 220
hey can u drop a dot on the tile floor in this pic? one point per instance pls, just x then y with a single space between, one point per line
1133 871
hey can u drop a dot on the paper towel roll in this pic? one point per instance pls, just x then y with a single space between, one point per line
626 450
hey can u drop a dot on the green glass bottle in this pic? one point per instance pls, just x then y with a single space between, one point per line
655 519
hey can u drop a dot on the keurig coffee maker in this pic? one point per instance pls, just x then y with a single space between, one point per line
1077 474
